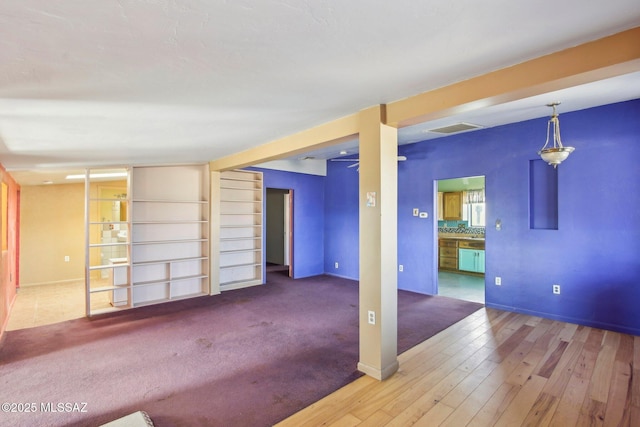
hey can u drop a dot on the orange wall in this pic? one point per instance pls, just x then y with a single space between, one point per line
9 262
51 227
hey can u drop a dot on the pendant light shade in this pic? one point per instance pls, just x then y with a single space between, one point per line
556 153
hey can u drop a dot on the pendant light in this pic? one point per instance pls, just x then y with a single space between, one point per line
556 154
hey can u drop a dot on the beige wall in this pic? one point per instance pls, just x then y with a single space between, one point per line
51 227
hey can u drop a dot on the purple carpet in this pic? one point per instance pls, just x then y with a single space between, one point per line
249 357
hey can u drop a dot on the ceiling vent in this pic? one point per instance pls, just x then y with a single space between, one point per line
455 128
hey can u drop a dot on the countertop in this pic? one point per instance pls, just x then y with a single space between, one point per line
458 237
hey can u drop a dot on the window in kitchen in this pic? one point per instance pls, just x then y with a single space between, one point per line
474 208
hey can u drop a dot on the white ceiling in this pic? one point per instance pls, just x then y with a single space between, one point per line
104 83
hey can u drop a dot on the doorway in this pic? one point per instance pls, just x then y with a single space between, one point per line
461 210
279 231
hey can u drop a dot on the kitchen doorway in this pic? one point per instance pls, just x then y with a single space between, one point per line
279 231
461 210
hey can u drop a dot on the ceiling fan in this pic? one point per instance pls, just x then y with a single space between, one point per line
357 161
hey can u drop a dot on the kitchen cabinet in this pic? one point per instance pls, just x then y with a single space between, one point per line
471 256
448 254
452 202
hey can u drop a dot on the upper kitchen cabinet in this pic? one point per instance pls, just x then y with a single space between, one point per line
452 202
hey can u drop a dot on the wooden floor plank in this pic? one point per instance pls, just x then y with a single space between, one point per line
525 368
568 411
495 406
550 362
347 420
601 378
407 397
542 411
591 413
475 400
497 368
434 416
618 412
564 369
426 401
635 382
522 403
377 419
460 392
510 343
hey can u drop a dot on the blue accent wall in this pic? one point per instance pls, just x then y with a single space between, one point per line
308 218
341 221
594 255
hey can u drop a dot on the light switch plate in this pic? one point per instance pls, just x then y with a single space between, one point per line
416 211
424 215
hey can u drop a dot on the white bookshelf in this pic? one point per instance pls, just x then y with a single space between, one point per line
170 233
238 213
156 248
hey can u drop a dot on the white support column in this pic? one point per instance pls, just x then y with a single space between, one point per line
214 233
378 190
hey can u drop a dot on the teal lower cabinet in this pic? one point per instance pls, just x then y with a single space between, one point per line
471 260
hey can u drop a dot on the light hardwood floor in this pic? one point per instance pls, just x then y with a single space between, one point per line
497 368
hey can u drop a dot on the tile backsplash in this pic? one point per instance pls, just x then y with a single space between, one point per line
459 227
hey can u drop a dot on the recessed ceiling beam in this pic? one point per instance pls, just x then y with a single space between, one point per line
335 132
604 58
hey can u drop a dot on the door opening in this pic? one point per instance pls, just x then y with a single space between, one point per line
461 210
279 231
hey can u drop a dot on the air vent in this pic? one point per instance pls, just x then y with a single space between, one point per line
458 127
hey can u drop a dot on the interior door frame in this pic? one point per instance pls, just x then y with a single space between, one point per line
288 227
287 206
436 245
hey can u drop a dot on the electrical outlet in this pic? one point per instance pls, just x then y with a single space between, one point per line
556 289
336 265
372 317
498 281
401 268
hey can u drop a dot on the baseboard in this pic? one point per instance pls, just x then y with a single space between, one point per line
341 276
54 282
379 374
568 319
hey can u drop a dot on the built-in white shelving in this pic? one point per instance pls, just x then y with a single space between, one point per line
170 233
239 203
166 251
